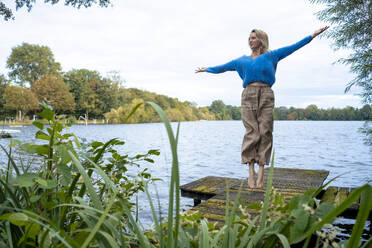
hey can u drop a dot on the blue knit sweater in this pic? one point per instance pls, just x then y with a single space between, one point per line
261 68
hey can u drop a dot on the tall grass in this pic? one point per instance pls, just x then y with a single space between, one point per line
79 196
80 199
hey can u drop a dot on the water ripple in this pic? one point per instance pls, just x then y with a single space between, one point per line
212 148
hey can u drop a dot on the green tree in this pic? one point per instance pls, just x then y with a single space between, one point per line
187 111
119 115
283 113
351 23
300 114
3 84
218 108
205 114
124 96
20 99
172 102
55 91
174 114
27 63
312 112
349 113
175 110
107 95
366 112
116 77
333 114
162 101
7 12
93 94
82 84
292 116
233 112
276 113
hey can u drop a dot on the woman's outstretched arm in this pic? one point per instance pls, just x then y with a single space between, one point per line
283 52
230 66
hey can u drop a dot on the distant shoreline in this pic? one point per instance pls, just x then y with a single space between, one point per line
21 124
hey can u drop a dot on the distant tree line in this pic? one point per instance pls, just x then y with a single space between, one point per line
224 112
311 112
35 76
175 110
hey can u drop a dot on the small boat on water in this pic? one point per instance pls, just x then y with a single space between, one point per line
6 133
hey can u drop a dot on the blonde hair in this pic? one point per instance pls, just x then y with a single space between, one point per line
263 38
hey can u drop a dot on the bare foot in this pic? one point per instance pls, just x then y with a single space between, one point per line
251 182
260 177
251 177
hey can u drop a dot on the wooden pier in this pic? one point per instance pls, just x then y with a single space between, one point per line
209 193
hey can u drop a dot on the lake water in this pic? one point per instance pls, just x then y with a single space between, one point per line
212 148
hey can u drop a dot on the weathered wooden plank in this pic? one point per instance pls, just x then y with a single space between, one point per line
283 178
216 206
287 182
209 185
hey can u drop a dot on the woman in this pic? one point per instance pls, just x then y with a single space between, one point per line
258 74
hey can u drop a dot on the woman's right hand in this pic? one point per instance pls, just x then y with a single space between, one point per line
319 31
200 69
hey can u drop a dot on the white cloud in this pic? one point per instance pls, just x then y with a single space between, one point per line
338 101
156 45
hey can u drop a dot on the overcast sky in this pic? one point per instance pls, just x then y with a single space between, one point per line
156 46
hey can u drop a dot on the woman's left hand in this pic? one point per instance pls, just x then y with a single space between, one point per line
319 31
200 69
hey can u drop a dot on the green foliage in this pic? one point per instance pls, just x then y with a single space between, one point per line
312 112
19 98
107 91
351 29
79 83
79 194
3 83
292 223
80 198
27 63
218 108
287 223
234 112
175 110
367 130
53 89
93 94
8 14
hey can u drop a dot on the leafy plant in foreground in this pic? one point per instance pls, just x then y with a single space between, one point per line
278 224
48 209
80 193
